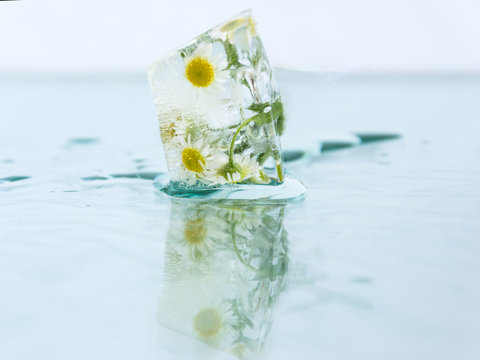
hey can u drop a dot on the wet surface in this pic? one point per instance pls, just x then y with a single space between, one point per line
15 178
380 260
82 141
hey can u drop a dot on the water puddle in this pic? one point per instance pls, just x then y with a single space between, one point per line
14 178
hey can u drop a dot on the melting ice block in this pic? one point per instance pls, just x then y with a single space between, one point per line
219 109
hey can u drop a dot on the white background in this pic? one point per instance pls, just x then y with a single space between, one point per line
346 35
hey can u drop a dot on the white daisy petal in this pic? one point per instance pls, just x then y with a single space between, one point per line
205 72
243 168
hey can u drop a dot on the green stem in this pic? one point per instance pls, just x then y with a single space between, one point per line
276 153
237 252
279 172
232 144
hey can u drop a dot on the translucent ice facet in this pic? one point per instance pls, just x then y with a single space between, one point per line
219 109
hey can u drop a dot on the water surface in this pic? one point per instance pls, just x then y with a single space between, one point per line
383 253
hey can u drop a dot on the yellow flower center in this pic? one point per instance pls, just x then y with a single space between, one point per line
238 350
232 25
168 131
252 28
193 160
200 72
208 322
195 231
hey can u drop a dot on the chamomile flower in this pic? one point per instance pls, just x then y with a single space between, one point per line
205 71
193 160
213 321
199 307
242 214
173 92
243 29
169 86
227 31
243 168
173 123
195 240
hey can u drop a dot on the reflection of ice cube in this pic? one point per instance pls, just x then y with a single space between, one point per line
219 109
225 269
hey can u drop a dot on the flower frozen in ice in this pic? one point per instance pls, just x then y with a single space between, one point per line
174 93
173 123
243 29
194 160
240 169
205 71
217 105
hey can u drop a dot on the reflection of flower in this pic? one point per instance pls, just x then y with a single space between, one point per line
241 215
208 322
225 269
195 233
205 71
196 307
212 320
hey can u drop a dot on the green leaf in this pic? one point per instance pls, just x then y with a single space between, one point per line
188 51
232 55
244 82
259 107
256 58
275 114
240 148
278 116
263 118
263 157
270 222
